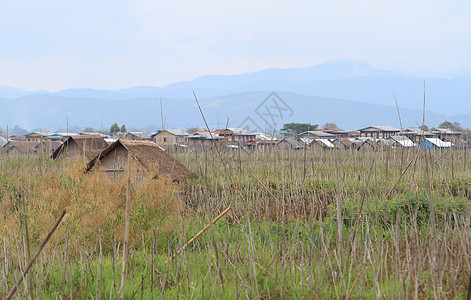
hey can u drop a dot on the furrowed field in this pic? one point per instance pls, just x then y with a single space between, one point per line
304 224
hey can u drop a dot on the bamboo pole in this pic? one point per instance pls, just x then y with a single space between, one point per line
199 234
13 290
126 231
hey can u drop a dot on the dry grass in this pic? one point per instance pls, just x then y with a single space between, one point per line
400 239
93 203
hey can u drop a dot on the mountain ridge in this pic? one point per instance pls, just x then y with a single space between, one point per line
359 84
52 111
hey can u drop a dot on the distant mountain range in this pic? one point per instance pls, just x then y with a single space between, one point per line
349 93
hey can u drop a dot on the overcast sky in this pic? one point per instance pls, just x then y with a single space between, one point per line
53 45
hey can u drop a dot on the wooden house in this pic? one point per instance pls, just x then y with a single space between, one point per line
132 135
317 144
443 133
399 141
379 132
416 134
20 148
342 144
435 143
262 145
16 137
236 136
37 136
201 141
368 145
457 142
170 139
146 157
318 134
337 133
87 146
289 144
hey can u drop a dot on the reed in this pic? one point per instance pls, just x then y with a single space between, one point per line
391 224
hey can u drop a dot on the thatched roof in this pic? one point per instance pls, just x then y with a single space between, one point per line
342 142
368 143
48 146
150 156
23 147
90 144
457 142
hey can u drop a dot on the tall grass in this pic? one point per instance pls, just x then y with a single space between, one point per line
280 239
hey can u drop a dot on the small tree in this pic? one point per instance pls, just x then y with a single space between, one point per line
114 128
449 125
89 129
192 129
296 128
330 125
18 130
123 128
424 128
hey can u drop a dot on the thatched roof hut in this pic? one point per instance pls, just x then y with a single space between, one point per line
342 144
457 142
147 155
368 146
20 147
88 146
47 146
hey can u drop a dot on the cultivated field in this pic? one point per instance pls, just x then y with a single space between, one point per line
334 224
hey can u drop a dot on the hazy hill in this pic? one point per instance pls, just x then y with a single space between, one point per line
51 111
314 93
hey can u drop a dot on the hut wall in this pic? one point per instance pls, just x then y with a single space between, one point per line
283 145
116 163
366 147
13 151
71 150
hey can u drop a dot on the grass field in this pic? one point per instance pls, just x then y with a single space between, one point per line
335 224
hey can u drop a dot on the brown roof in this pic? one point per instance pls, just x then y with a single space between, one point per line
373 144
149 155
16 137
48 145
52 143
91 145
22 146
345 142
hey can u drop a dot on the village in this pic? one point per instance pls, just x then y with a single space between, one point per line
370 138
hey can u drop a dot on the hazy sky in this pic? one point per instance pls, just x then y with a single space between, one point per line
53 45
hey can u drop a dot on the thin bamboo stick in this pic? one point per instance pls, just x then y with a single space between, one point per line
198 234
13 290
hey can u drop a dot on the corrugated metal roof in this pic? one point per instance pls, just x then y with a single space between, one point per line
317 134
404 141
241 131
204 135
42 133
177 131
446 131
439 143
306 141
326 142
418 131
382 128
264 136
